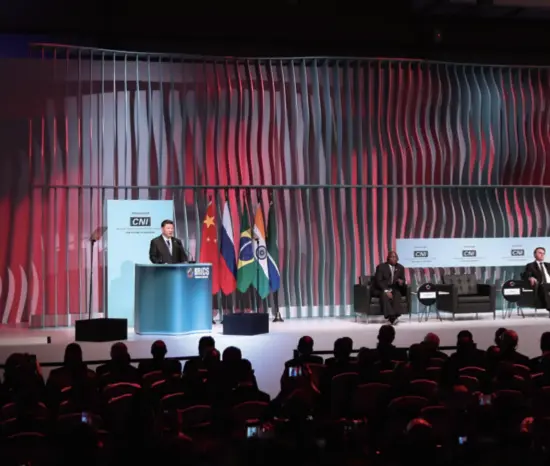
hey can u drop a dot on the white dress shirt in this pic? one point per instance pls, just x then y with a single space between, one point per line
544 271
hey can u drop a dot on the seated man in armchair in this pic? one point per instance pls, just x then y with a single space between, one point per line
388 284
537 273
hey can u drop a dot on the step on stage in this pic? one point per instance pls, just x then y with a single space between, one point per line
268 352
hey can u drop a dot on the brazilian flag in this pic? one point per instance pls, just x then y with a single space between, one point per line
246 267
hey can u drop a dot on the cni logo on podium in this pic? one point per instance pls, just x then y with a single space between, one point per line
517 252
140 221
469 253
420 254
198 272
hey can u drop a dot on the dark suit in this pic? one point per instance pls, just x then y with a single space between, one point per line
383 281
160 254
533 270
304 359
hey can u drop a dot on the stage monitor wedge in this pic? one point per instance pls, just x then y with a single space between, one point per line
246 324
101 330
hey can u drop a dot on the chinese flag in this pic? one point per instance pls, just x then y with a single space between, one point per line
210 252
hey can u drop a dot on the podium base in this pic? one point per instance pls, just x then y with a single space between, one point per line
101 330
246 324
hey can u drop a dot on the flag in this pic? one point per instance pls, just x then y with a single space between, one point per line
209 252
273 250
228 262
261 278
246 268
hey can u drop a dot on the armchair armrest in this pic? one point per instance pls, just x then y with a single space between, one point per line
408 294
361 298
447 297
486 290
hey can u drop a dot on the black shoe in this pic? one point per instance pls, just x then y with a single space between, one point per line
392 319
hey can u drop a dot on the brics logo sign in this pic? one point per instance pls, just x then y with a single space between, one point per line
517 252
420 254
199 272
469 253
140 221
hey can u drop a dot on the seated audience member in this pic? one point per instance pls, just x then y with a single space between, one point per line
246 389
414 369
498 338
542 363
467 354
492 358
213 366
341 362
364 363
159 361
118 369
231 355
74 373
431 343
342 359
420 442
305 348
231 358
205 345
508 349
26 398
22 365
386 355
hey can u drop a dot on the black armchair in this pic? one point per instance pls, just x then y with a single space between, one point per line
462 294
530 297
366 304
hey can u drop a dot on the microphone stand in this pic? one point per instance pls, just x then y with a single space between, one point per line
257 239
92 243
96 235
278 317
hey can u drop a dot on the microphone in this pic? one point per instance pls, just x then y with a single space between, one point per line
187 253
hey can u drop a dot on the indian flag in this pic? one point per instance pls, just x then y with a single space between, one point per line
261 280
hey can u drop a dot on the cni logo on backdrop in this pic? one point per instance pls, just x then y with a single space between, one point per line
421 254
140 221
198 272
469 253
517 252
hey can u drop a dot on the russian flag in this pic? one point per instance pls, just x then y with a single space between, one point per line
228 263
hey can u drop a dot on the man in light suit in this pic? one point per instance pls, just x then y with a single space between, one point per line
166 249
538 275
388 284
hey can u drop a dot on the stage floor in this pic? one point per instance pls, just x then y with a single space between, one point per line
268 352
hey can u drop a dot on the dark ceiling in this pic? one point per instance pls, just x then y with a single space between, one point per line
437 29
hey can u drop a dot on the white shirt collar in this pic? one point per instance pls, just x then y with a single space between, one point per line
166 238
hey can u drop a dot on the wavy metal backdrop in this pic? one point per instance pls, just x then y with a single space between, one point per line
358 152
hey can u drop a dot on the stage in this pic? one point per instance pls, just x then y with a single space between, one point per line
268 352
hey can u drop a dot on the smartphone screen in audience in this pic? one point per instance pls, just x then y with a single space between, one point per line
295 371
252 431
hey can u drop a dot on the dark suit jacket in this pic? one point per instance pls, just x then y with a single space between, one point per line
160 254
304 359
168 366
382 277
532 269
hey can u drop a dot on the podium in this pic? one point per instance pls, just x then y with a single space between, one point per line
172 299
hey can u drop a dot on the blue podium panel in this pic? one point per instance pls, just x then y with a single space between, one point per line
173 299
